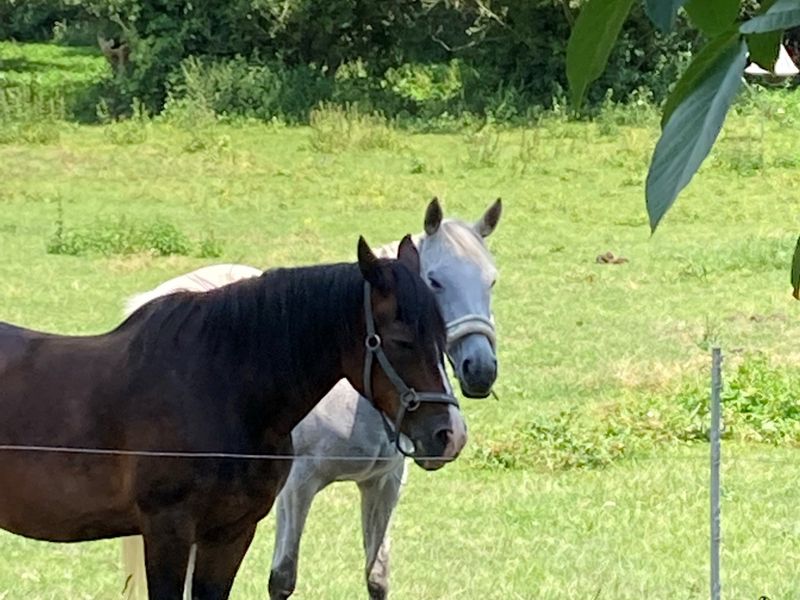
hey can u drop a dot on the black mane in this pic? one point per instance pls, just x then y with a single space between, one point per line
267 330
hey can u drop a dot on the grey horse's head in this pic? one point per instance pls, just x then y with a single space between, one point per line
458 267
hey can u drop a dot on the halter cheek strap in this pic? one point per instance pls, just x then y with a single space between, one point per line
410 399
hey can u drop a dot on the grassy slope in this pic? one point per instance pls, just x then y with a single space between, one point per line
573 334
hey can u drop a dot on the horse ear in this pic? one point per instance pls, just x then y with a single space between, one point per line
370 265
487 223
407 254
433 216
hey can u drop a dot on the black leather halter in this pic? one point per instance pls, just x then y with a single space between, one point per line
410 399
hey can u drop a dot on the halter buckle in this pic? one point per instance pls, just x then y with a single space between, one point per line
410 400
373 342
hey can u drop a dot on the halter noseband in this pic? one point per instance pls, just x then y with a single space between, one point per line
467 325
410 399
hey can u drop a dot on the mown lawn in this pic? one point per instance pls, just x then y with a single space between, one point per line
609 501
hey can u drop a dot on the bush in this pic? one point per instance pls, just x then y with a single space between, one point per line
265 58
35 20
490 69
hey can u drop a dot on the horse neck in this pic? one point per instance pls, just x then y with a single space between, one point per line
314 326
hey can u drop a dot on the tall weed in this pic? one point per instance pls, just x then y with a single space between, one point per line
335 128
29 114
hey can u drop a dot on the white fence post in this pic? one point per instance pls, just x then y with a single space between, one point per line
716 388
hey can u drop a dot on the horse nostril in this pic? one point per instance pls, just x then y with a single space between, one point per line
465 366
444 436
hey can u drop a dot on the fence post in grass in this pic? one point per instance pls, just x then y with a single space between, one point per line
716 388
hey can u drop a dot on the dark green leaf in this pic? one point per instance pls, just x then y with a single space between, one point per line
764 48
697 71
590 42
796 271
713 17
662 12
692 129
784 14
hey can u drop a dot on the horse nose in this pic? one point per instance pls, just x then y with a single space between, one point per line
487 370
444 436
478 376
452 438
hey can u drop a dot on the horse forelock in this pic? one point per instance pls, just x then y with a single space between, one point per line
454 236
459 239
417 306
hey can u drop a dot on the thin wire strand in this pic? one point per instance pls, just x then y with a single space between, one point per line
176 454
729 458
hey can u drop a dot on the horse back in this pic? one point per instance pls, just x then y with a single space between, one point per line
15 343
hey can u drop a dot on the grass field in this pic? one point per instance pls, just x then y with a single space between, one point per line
588 479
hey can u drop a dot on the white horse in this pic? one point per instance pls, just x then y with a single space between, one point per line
457 265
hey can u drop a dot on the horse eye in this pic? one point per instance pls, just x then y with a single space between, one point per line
493 282
404 344
435 284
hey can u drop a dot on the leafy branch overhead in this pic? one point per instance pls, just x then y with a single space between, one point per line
696 109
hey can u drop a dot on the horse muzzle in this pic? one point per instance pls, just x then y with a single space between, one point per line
444 445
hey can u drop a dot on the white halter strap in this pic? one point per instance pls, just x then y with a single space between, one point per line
469 324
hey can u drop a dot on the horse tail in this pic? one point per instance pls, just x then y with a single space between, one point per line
134 569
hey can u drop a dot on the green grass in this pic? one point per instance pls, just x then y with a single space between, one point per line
51 66
582 481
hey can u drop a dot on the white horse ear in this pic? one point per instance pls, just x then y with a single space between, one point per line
433 216
488 222
407 254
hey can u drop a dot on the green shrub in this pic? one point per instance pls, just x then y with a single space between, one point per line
266 58
119 237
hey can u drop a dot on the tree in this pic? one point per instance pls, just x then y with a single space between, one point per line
695 110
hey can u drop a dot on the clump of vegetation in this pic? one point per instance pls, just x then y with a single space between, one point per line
552 444
209 246
28 116
483 147
759 405
335 128
120 237
123 236
125 131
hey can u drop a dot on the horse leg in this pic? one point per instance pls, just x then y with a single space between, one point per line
293 505
167 542
217 561
378 499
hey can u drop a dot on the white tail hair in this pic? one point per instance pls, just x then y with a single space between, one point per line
200 280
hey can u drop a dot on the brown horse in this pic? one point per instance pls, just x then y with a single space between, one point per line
228 371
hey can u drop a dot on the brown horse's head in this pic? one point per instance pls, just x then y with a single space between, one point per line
405 377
